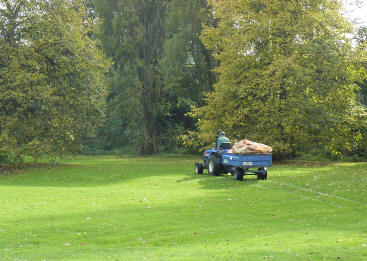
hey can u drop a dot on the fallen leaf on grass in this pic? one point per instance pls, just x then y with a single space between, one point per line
323 194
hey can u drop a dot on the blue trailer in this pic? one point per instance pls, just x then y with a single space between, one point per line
219 161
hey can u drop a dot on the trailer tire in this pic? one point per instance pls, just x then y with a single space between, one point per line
214 166
237 174
263 175
198 168
232 170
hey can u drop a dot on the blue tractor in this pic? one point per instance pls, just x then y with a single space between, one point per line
218 161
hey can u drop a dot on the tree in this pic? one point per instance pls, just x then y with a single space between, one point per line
181 66
186 64
361 63
358 123
133 34
285 76
51 77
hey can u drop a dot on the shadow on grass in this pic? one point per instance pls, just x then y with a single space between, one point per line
100 172
111 171
31 166
218 182
104 175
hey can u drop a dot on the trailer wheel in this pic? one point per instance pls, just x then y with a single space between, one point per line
214 166
237 174
232 170
263 175
199 168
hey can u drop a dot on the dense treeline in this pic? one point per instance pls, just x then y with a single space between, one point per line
287 77
159 75
51 78
161 68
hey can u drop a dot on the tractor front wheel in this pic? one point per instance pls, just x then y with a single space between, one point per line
199 168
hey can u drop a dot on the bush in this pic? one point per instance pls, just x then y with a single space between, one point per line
10 159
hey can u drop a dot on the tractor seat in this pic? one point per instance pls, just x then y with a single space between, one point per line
225 146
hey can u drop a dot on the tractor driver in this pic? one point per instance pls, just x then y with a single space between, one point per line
221 139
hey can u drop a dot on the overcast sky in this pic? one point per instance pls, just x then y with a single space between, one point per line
356 11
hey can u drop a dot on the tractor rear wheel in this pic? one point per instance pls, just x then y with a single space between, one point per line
214 166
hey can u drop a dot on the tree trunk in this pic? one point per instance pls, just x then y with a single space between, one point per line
211 76
149 142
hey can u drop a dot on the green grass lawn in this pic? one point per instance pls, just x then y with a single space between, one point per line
155 208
